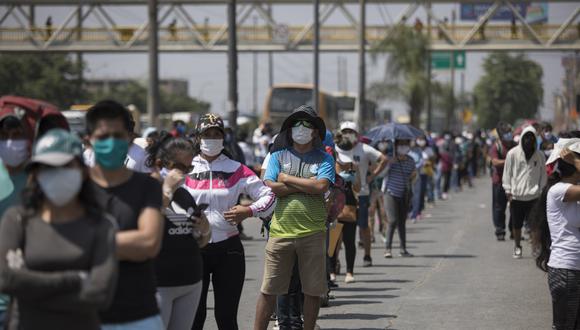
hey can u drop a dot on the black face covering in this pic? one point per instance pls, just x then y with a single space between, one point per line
346 145
529 144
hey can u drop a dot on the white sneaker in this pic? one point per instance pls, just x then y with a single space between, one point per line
349 278
518 252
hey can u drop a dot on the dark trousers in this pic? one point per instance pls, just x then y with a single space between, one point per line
565 290
520 212
499 206
446 181
224 265
289 310
397 209
348 239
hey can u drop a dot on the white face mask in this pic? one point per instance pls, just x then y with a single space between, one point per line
403 150
301 134
14 152
60 185
421 143
211 147
383 146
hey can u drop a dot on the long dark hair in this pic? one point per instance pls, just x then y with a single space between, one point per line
33 197
165 148
540 232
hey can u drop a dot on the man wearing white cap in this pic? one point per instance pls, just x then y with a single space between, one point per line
364 156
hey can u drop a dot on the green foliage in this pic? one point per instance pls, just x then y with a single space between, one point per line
135 93
50 77
406 74
510 89
56 78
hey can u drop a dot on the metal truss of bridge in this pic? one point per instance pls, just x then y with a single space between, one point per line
78 32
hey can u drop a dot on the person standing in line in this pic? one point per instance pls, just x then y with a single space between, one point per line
58 248
420 185
300 173
398 192
218 181
497 154
350 174
523 179
556 237
179 263
364 156
15 144
134 199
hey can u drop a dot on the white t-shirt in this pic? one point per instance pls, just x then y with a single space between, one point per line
564 224
135 159
363 156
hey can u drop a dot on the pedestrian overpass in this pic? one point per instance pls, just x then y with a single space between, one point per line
89 27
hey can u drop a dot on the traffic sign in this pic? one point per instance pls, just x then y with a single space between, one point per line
442 60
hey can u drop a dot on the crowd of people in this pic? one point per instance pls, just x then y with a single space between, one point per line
125 231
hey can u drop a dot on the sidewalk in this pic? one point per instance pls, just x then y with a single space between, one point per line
460 277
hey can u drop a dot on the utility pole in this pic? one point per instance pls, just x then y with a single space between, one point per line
451 114
153 91
360 110
429 100
255 72
316 92
80 54
270 55
232 67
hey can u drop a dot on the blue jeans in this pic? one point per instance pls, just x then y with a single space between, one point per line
430 189
289 309
419 190
150 323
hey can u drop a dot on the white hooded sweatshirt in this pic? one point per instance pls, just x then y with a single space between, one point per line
524 179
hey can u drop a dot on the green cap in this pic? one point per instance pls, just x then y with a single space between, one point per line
56 147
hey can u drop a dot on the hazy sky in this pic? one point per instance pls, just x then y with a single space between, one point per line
207 72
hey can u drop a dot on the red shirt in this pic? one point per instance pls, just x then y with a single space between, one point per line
497 171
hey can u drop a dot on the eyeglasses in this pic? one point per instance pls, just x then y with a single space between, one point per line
304 123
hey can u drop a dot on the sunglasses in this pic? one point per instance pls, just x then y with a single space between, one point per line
304 123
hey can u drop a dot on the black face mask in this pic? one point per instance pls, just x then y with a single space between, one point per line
345 145
529 145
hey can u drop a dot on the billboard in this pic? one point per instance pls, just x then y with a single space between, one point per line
533 12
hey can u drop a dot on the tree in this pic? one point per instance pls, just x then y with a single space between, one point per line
406 71
51 77
135 93
510 89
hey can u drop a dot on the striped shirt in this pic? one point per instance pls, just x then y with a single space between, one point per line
220 184
398 176
299 214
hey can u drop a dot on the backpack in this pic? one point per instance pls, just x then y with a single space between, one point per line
336 199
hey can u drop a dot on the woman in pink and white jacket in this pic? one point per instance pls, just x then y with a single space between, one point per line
218 181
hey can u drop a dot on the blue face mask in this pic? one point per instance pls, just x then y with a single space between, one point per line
111 153
508 137
347 176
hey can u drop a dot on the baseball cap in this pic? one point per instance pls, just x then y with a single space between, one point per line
348 125
210 120
56 147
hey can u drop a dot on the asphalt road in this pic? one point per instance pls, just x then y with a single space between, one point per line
460 277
